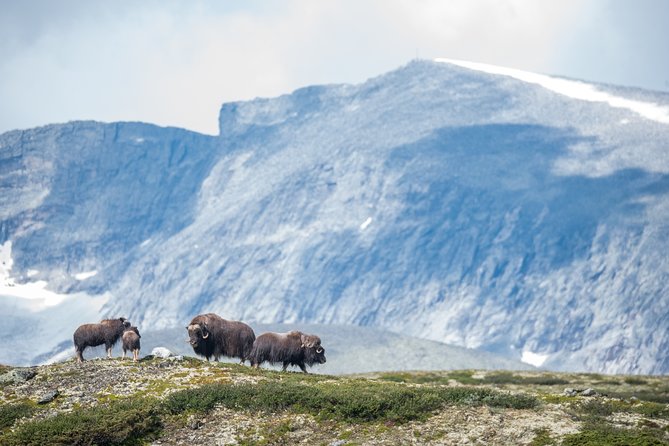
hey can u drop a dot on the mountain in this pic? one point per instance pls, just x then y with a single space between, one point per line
487 208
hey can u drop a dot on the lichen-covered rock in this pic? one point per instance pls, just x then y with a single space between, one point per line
17 376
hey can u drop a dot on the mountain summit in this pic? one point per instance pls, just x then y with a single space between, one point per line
487 208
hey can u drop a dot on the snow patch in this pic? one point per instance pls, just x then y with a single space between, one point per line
573 89
534 359
366 223
85 275
52 316
6 262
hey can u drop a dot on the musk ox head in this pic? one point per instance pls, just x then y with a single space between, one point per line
314 353
197 334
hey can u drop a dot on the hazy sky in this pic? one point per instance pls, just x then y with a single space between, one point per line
175 62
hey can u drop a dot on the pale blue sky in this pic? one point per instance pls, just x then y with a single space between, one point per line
175 62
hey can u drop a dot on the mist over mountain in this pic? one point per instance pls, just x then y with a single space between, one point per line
438 201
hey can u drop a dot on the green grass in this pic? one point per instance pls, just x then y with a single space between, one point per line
542 437
416 378
652 395
600 434
635 381
353 401
463 377
126 422
12 412
604 408
510 378
466 377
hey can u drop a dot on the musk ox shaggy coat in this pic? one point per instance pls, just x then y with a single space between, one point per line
130 342
211 335
293 348
107 332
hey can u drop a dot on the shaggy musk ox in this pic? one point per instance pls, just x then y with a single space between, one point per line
293 348
211 335
107 332
130 342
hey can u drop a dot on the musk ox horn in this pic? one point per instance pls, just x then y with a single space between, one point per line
205 332
309 341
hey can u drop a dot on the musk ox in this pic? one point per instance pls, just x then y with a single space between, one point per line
107 332
130 341
293 348
211 335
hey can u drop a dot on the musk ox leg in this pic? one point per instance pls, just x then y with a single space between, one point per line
123 355
80 355
285 365
135 355
109 354
303 367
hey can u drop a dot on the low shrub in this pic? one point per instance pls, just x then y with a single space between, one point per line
604 408
542 437
605 435
120 422
9 413
651 395
416 378
464 377
635 381
353 401
510 378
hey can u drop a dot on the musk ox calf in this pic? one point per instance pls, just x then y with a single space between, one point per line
293 348
211 335
130 342
107 332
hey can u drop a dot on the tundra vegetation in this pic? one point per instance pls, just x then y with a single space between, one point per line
195 402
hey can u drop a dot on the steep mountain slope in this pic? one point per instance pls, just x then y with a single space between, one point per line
484 210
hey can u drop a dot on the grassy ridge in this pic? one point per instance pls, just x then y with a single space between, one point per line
160 398
129 421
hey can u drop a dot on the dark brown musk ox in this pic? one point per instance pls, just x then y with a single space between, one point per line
130 342
211 335
107 332
292 348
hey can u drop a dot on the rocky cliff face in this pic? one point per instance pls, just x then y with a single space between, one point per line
438 201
